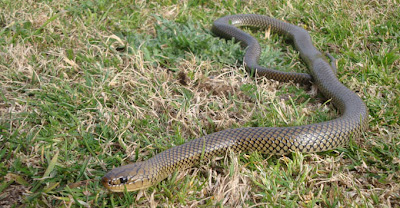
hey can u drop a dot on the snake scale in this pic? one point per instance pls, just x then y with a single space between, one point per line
272 140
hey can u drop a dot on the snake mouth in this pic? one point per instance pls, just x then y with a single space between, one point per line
120 184
117 184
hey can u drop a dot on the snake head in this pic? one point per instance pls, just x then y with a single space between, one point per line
131 177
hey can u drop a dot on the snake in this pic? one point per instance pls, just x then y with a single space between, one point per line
316 137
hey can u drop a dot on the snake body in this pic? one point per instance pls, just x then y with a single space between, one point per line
273 140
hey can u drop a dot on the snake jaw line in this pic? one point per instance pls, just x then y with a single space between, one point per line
118 181
119 184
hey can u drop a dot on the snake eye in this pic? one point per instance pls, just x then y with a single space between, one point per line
123 180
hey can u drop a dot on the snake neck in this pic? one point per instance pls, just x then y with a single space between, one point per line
192 152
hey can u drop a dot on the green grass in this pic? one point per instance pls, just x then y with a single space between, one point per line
91 85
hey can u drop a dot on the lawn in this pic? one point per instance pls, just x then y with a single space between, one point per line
87 86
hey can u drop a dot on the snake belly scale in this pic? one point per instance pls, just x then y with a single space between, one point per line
272 140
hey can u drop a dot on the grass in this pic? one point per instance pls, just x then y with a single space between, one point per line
91 85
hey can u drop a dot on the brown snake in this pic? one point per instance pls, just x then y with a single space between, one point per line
272 140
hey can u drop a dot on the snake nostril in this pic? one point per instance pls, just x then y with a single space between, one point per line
105 181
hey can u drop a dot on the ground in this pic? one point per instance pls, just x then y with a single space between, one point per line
87 86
